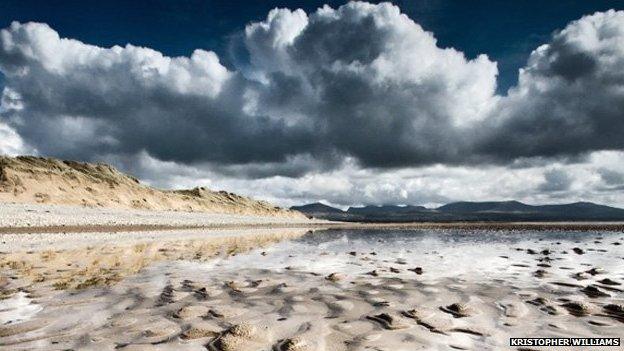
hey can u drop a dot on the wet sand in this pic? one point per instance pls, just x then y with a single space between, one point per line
317 224
20 218
182 290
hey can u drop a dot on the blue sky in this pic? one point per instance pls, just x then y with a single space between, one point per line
507 31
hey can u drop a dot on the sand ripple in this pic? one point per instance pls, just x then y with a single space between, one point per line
185 304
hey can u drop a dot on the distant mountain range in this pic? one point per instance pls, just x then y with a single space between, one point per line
467 211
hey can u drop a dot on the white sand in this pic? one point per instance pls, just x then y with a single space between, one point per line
35 215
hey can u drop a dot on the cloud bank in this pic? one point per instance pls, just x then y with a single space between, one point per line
570 96
360 88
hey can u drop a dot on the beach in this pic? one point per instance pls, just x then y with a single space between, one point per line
311 175
309 288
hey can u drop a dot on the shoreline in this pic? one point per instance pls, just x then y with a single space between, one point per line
19 218
496 226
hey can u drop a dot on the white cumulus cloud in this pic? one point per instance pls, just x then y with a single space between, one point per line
358 100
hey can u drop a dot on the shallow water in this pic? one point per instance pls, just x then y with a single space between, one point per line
441 253
282 291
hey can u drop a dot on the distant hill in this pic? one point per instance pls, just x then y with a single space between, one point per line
388 213
29 179
491 206
501 211
389 209
317 209
514 210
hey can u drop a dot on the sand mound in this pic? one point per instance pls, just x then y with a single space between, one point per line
29 179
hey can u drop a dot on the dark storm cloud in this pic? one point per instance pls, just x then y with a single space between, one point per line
555 180
371 83
88 101
611 177
569 98
362 82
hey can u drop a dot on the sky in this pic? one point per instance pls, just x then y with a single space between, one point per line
411 102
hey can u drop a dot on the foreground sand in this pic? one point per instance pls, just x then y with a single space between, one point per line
230 290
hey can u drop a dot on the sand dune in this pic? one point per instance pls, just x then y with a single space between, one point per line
28 179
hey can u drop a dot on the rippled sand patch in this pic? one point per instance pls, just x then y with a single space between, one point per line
303 296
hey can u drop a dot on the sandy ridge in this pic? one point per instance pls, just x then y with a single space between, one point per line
28 179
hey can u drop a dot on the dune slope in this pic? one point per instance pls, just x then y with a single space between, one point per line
27 179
